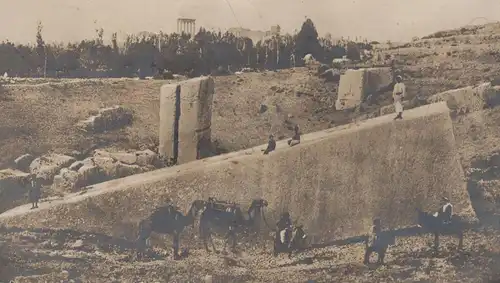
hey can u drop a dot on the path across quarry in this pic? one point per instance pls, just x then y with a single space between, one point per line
334 182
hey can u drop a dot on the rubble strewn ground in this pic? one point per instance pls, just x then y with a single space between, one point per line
40 118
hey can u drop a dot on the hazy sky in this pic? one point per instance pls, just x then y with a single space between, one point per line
65 20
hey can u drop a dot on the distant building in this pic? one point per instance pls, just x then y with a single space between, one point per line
255 35
187 26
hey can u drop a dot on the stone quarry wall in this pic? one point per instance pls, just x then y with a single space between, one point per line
334 182
356 85
194 122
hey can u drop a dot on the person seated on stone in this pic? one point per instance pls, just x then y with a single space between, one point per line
295 140
445 212
375 243
271 145
34 191
284 228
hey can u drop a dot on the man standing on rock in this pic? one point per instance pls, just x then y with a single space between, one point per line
398 94
34 192
295 140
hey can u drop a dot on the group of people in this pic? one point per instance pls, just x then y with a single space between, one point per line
377 241
398 94
295 140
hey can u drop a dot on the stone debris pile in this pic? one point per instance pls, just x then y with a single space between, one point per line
61 174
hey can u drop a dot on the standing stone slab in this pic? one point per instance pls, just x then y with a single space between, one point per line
356 85
185 119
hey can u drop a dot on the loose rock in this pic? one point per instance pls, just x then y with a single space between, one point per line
23 162
47 166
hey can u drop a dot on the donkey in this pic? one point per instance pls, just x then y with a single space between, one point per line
431 224
297 242
226 218
168 220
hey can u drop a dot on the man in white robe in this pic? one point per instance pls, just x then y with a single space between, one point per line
398 94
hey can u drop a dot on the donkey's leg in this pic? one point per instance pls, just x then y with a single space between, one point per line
143 239
436 241
460 239
204 234
227 238
233 239
175 245
212 242
368 253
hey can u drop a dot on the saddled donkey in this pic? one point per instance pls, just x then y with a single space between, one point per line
430 223
296 243
225 218
168 220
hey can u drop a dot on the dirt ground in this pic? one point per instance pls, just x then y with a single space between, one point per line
64 256
37 118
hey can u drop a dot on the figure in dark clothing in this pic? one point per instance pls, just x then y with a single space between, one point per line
284 228
376 243
295 140
271 145
34 191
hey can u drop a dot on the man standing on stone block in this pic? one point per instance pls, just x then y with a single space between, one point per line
34 191
295 140
398 94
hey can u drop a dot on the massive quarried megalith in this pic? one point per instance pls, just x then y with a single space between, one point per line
185 119
335 182
356 85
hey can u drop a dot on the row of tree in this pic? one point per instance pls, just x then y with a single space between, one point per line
148 54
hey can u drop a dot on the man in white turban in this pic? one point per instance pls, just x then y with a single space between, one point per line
398 94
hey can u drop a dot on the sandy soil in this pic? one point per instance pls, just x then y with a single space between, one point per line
50 256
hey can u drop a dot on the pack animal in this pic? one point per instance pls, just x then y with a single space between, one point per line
227 218
430 223
168 220
297 241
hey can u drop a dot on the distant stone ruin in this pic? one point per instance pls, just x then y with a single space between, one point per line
356 85
107 119
186 119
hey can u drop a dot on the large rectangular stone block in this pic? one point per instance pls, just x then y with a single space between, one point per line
356 85
185 119
350 92
334 182
467 99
